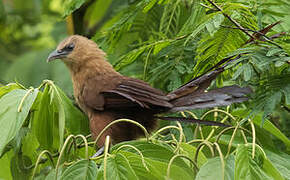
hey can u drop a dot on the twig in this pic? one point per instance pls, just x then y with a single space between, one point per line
267 39
232 20
244 29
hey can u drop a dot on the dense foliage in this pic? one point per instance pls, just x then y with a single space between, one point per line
43 135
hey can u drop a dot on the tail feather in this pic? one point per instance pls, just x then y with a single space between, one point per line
202 82
217 97
193 120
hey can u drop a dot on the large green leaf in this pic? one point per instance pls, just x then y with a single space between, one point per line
11 119
81 170
212 169
190 151
43 120
8 88
156 158
270 127
68 115
281 161
117 168
157 169
255 168
152 151
5 166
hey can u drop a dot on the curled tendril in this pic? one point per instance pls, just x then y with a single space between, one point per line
200 146
171 162
221 158
138 151
118 121
50 157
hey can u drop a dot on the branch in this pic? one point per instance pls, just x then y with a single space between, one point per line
232 20
267 39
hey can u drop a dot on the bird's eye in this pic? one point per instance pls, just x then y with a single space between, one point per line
70 46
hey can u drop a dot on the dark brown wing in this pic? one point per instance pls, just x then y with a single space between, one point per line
135 93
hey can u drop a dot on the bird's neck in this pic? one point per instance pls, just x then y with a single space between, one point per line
94 73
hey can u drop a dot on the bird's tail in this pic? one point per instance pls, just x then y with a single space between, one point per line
217 97
193 95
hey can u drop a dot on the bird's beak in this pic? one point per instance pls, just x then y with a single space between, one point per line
57 54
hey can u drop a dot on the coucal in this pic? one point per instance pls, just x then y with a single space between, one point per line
105 95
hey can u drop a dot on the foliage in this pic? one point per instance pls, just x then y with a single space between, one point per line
165 43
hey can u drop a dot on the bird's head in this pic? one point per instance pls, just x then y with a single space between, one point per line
76 49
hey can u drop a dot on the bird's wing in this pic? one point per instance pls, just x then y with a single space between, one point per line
134 93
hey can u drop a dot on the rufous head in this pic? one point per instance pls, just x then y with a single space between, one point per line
76 49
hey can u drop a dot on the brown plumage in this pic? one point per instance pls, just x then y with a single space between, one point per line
105 95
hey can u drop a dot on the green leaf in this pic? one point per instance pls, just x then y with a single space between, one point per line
273 51
72 5
159 46
149 5
271 104
238 72
267 125
81 170
281 162
158 168
118 168
8 88
56 98
212 169
5 161
76 121
43 120
10 119
157 158
258 168
95 14
18 164
190 151
248 71
279 63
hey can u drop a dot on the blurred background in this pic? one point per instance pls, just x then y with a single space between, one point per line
31 29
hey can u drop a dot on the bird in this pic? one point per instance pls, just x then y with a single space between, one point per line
105 95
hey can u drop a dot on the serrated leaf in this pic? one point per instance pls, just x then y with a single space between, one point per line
118 168
258 168
212 169
81 170
281 162
10 119
157 158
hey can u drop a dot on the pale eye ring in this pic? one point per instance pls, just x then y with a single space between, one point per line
70 46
